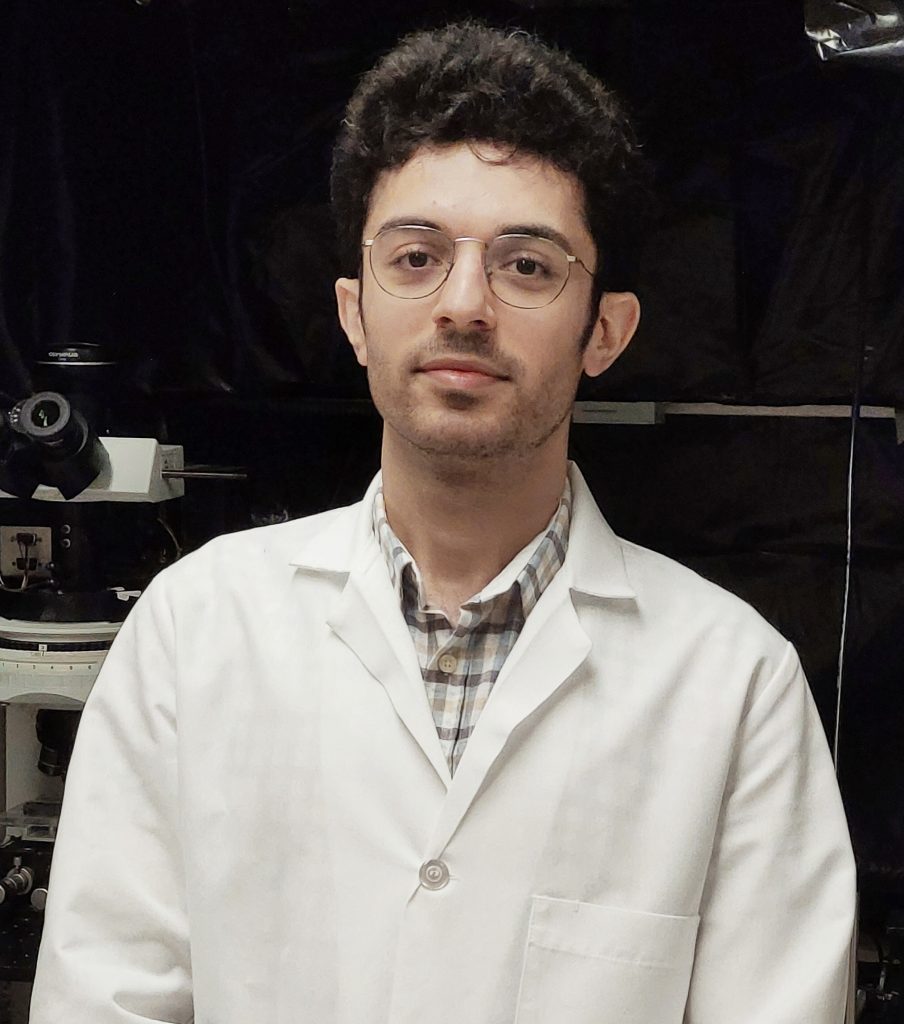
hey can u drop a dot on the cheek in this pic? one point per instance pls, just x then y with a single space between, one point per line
549 346
391 335
394 321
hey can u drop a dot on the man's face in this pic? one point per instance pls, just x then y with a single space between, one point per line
460 374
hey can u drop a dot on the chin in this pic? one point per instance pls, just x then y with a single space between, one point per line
472 445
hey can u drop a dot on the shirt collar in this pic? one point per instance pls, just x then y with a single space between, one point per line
531 569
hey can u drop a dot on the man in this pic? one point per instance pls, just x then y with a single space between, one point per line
456 753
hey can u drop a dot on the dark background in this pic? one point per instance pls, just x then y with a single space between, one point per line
163 193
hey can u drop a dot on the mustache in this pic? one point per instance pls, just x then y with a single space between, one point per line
467 343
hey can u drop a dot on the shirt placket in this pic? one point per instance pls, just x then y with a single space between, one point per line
460 652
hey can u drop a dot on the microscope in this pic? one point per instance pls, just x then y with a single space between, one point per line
83 528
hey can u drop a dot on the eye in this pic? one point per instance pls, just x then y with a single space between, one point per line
528 265
526 260
415 257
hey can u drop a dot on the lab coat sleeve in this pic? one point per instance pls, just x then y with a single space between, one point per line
778 905
115 944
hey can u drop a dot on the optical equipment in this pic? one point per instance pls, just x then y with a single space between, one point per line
526 271
55 446
83 528
869 31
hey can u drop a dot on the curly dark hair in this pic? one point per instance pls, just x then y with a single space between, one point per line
468 82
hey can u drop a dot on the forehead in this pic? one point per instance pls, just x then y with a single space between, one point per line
479 190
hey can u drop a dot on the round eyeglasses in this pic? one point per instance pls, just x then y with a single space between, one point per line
527 271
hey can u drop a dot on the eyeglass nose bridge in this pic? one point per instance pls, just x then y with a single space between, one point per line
469 238
485 245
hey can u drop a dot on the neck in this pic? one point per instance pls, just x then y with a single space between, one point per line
464 520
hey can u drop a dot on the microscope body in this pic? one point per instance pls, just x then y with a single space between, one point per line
77 546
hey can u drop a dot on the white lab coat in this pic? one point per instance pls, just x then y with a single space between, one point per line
644 829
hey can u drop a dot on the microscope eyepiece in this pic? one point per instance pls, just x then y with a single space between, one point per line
47 419
67 449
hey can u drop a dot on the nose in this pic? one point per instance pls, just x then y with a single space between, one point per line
465 300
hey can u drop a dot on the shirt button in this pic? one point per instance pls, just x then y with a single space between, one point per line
448 663
434 875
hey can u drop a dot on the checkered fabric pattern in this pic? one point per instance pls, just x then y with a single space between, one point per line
460 663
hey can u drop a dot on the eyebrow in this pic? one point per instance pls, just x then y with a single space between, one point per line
404 222
539 230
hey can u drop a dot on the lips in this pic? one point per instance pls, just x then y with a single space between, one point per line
462 366
461 374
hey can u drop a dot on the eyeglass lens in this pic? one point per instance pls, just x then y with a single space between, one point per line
523 270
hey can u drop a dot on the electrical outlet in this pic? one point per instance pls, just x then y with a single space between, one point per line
11 551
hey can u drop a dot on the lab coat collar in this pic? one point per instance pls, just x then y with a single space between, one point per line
594 564
345 541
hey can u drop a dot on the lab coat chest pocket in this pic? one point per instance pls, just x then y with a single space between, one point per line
589 964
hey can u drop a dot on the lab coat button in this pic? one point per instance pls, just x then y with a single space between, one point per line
448 663
434 875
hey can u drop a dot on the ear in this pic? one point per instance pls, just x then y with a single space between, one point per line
347 293
619 315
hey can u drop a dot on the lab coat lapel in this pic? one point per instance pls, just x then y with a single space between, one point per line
551 647
367 619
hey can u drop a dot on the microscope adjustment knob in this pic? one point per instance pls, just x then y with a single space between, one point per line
17 882
39 898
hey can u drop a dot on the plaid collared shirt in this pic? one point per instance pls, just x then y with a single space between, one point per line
460 663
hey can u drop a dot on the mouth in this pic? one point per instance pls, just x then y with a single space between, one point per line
462 374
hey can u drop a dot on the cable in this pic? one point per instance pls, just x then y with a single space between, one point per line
24 548
15 590
866 212
24 584
172 536
839 684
